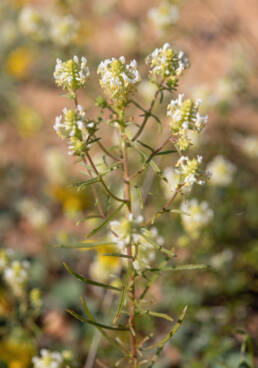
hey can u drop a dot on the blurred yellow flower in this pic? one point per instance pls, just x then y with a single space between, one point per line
106 261
16 354
85 32
19 3
104 268
71 200
19 61
28 120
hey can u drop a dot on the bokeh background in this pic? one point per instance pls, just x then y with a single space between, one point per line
39 207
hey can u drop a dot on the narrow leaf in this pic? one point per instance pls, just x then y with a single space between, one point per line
145 145
117 255
85 245
155 167
160 315
139 195
88 281
171 332
157 314
123 296
98 228
179 268
165 152
91 317
82 184
186 267
97 324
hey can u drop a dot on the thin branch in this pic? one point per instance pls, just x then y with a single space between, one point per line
147 114
101 179
145 111
107 152
159 148
95 194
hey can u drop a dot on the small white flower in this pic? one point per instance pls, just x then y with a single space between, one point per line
48 359
33 23
185 118
72 125
197 216
222 171
248 145
63 30
167 62
71 74
118 78
16 276
190 171
164 16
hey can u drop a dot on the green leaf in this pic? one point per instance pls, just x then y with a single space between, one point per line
171 333
117 255
91 317
98 228
97 324
186 267
179 268
88 281
139 195
157 314
123 296
82 184
145 145
86 245
155 167
165 152
112 167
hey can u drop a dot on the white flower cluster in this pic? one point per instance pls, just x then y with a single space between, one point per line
128 34
36 214
248 145
167 63
222 171
164 16
197 216
32 23
118 78
185 118
72 125
62 30
71 74
173 179
15 273
48 359
55 166
190 171
146 242
125 230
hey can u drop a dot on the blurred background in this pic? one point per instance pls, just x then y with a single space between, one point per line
39 207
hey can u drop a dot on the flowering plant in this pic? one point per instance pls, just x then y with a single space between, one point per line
131 236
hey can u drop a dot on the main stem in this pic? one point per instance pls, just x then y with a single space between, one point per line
127 190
